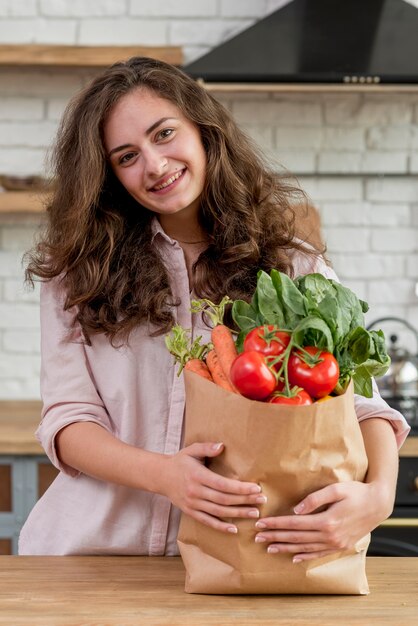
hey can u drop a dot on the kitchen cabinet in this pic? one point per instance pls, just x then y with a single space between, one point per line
25 471
23 480
398 535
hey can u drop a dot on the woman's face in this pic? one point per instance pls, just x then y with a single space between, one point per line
156 153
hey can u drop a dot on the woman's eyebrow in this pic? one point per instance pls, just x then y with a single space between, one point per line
147 132
157 123
119 148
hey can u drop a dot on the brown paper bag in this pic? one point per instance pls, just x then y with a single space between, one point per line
291 452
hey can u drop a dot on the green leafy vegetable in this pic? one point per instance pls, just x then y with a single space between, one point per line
321 312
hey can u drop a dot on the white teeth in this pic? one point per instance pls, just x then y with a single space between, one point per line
169 181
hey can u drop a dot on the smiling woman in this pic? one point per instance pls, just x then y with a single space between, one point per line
159 158
159 194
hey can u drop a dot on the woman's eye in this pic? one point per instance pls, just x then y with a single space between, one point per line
166 132
126 158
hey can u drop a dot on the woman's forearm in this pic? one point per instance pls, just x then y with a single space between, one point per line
182 477
382 453
91 449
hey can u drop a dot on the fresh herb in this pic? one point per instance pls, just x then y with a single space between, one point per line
180 345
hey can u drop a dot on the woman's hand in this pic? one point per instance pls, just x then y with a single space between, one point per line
204 495
353 509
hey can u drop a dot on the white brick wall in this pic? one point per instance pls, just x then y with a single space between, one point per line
355 154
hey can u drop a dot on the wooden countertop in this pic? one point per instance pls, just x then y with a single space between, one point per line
128 591
19 420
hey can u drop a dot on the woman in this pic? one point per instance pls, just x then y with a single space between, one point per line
158 195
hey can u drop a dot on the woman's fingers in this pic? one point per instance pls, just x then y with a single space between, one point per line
204 475
295 548
322 497
221 505
213 522
292 523
227 511
289 537
228 485
309 556
207 496
231 499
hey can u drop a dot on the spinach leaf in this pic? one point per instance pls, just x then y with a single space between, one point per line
268 304
350 306
316 284
244 315
364 373
291 299
306 325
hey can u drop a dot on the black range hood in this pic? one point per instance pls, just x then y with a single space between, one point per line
320 41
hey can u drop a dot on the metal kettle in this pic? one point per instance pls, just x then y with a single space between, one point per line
401 379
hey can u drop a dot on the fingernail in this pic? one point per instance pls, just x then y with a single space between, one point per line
232 529
296 559
272 550
216 446
255 489
254 513
261 499
260 539
299 508
261 525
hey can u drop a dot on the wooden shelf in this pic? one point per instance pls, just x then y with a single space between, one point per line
82 56
22 202
410 447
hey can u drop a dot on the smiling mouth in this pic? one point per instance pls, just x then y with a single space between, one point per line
169 181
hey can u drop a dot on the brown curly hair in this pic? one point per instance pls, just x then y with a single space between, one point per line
97 239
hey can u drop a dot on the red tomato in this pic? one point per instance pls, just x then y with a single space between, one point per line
267 339
300 398
251 375
317 372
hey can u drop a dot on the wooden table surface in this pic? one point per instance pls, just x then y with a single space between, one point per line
128 591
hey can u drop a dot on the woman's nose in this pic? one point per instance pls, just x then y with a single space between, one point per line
155 163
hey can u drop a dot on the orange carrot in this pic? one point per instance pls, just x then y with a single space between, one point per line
225 348
221 335
198 367
218 375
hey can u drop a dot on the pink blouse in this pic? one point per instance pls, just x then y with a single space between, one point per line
134 392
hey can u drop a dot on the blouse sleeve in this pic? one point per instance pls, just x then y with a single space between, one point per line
67 387
365 407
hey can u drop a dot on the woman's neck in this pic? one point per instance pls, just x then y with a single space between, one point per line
184 231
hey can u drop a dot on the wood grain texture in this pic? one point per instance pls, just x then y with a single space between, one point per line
5 488
127 591
82 56
22 202
18 422
410 447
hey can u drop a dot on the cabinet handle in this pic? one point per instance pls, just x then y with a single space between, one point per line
416 483
401 522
